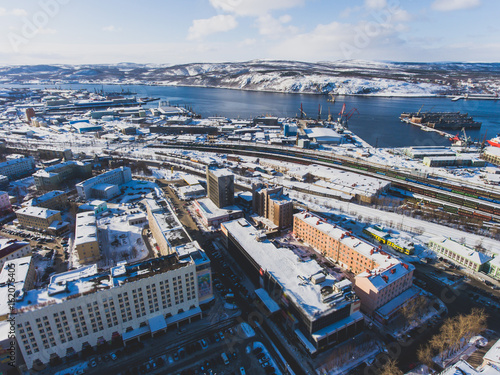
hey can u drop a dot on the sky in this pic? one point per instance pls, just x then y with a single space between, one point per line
187 31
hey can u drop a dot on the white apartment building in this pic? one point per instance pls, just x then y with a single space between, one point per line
86 307
104 186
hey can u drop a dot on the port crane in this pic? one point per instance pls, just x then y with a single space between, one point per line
302 113
345 116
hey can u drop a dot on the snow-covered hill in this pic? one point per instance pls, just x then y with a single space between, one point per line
340 77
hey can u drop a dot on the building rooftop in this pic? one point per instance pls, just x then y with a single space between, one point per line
211 211
21 267
37 212
86 280
85 228
302 281
462 250
45 197
220 172
194 251
365 248
8 246
169 224
493 355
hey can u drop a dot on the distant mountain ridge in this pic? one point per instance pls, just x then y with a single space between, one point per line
339 77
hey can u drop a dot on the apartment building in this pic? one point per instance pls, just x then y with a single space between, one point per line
321 311
273 204
51 178
104 186
51 153
380 277
86 238
53 200
85 307
12 249
17 166
37 217
220 186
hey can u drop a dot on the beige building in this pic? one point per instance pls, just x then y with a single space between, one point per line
166 228
86 240
492 155
85 307
37 217
272 204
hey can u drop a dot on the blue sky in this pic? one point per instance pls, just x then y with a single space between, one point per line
183 31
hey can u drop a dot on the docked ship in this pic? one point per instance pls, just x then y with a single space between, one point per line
495 142
441 120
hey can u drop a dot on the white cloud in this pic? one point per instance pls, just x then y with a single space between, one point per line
18 12
363 40
449 5
203 27
253 7
375 4
275 27
111 29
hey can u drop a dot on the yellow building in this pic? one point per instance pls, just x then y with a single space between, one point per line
86 241
37 217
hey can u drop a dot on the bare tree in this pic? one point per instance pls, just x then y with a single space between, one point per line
390 368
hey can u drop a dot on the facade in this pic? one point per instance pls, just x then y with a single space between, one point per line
86 239
494 268
462 254
321 311
53 200
49 154
193 251
51 178
84 307
12 249
17 166
220 187
213 216
272 204
37 217
118 176
453 161
5 205
368 263
18 275
492 155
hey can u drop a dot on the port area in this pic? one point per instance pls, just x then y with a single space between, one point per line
426 128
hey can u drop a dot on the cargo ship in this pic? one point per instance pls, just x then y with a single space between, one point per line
441 120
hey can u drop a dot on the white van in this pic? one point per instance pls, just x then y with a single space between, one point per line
224 358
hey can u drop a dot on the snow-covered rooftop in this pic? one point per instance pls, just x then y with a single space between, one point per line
211 211
37 212
86 228
462 250
291 272
87 279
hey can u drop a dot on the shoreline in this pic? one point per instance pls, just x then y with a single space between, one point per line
327 94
